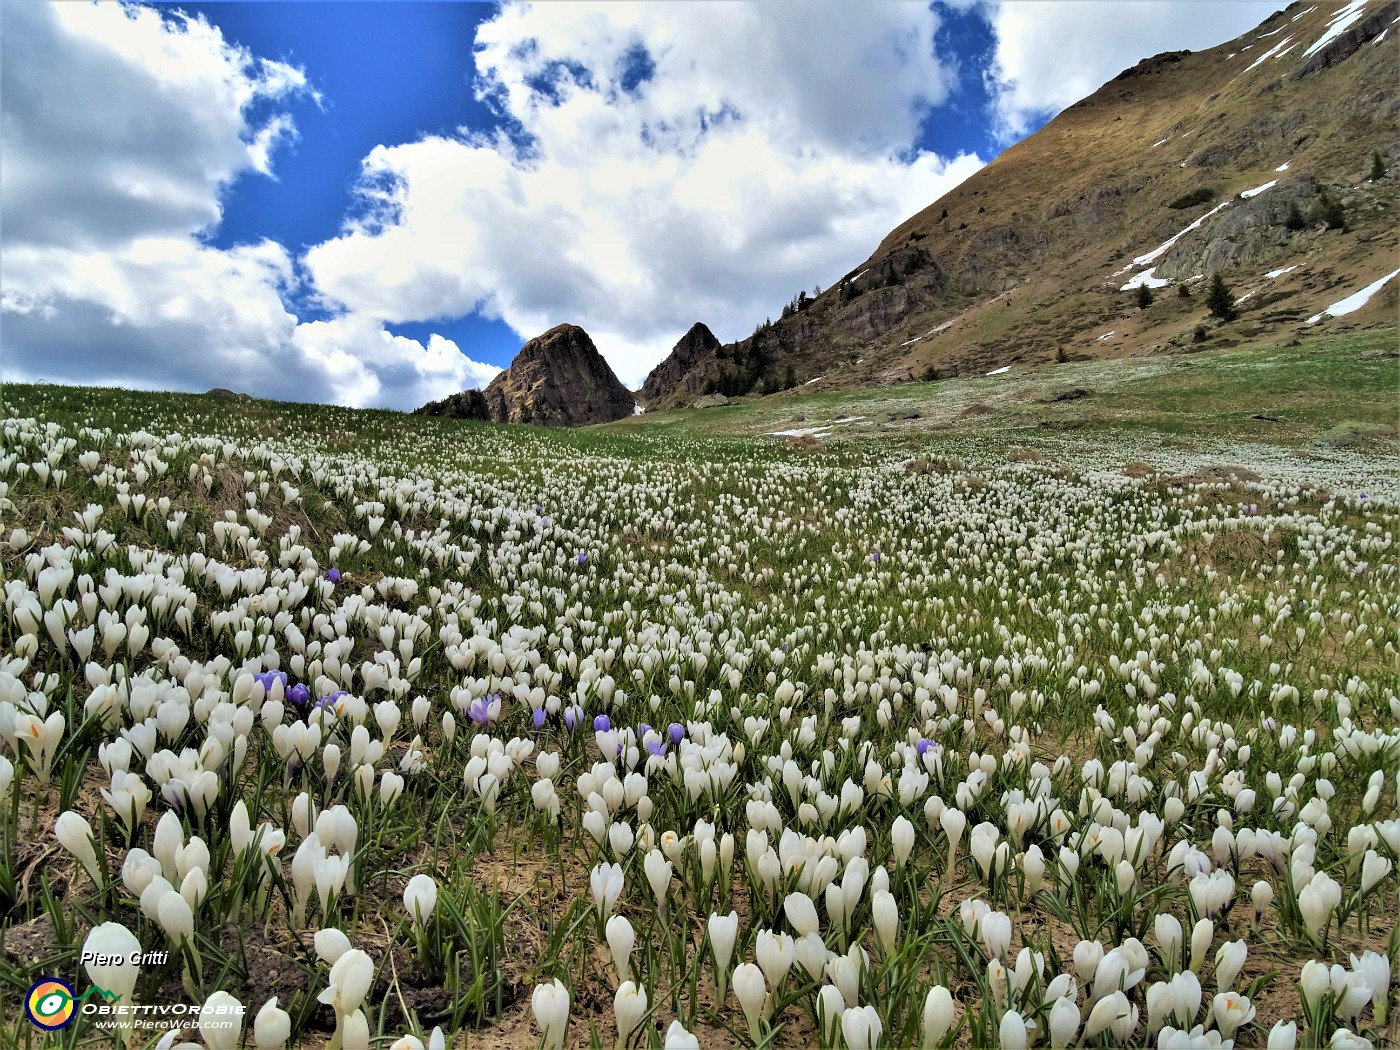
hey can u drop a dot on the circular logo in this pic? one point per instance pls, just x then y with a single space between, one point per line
50 1004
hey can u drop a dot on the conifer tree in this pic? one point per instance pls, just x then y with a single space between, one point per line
1220 300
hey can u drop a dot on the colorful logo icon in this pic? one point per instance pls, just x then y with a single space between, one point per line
50 1004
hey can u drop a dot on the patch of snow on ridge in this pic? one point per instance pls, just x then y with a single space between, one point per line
1269 53
1260 189
1105 336
637 410
1283 166
799 432
1147 278
1000 371
811 381
1164 247
1272 274
1159 142
1353 302
1307 12
1341 21
912 341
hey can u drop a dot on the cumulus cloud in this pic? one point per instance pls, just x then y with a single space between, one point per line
657 165
1050 55
121 129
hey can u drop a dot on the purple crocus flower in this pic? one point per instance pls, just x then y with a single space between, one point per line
573 714
582 557
676 732
299 694
266 678
333 575
539 509
875 557
328 702
539 717
480 709
923 745
655 747
602 724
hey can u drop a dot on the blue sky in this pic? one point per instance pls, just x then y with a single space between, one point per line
393 72
376 203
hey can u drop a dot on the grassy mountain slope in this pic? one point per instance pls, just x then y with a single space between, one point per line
1023 264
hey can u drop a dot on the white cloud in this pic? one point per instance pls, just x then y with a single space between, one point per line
120 131
770 147
1050 55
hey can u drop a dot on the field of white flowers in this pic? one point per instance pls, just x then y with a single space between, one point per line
399 732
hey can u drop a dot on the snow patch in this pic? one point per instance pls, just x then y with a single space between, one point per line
1283 166
1146 279
1307 12
811 381
637 410
1260 189
812 431
912 341
1353 302
1159 142
1275 50
1275 274
858 276
1106 335
1341 21
941 328
1163 248
1243 298
1000 371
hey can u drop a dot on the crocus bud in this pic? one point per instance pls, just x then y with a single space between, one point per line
861 1027
629 1007
677 1038
724 929
330 945
752 992
221 1022
1064 1023
939 1015
1229 960
75 835
901 840
550 1003
272 1027
775 953
420 898
1201 936
1014 1031
885 913
112 940
830 1006
801 914
621 939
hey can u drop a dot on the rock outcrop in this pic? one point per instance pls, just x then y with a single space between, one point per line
556 380
559 380
469 404
686 371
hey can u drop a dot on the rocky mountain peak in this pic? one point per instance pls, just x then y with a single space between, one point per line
558 379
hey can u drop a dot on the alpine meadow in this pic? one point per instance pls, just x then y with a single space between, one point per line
998 648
